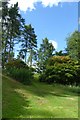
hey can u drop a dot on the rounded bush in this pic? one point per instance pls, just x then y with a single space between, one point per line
61 69
16 63
18 70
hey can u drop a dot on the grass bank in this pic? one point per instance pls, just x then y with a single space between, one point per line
38 100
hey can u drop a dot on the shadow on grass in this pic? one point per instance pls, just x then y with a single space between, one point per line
14 106
42 89
17 105
13 103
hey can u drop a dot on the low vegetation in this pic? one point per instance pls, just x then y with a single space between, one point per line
18 70
38 100
61 69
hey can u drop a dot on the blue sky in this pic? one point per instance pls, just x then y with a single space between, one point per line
54 19
79 16
55 23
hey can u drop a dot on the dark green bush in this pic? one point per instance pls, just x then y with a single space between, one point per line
16 64
42 77
18 70
64 71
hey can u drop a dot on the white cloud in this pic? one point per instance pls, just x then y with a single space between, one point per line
24 5
54 43
79 21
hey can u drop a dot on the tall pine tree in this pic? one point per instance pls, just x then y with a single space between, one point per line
29 43
45 51
12 24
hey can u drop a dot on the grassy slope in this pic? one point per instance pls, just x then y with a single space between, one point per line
38 100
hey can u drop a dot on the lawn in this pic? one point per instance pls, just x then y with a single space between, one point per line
38 100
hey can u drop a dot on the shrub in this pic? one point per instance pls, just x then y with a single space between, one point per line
18 70
58 59
63 71
42 77
16 64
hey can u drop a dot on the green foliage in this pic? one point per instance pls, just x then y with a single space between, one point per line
61 69
61 53
17 63
59 59
45 51
21 75
28 43
12 24
18 70
73 45
38 100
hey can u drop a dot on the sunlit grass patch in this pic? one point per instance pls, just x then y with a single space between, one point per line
38 100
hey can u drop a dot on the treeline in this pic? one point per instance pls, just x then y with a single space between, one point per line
64 68
15 31
52 66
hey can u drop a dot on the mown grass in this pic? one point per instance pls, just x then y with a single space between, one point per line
38 100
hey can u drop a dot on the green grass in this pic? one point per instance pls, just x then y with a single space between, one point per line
38 100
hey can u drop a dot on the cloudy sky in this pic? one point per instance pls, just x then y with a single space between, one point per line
54 19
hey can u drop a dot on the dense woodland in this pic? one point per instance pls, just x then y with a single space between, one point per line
52 66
